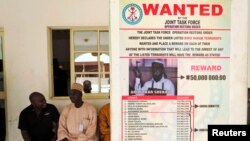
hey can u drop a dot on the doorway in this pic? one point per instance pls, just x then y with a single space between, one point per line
2 92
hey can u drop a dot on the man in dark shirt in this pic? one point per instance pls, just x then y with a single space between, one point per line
87 86
39 121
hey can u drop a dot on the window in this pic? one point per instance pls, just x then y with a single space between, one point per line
80 54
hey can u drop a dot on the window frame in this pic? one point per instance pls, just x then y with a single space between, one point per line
99 29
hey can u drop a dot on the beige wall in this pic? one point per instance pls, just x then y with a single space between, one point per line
248 39
26 52
238 62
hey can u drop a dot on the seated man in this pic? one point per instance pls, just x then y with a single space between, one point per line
78 120
38 122
104 122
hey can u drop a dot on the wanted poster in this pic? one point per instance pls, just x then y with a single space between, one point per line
175 68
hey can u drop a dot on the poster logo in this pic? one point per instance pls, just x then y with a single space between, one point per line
132 14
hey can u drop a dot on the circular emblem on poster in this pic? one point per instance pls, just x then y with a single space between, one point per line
132 14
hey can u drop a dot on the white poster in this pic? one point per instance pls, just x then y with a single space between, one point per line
174 52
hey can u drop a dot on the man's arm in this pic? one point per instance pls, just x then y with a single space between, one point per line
55 119
137 73
23 126
138 84
55 128
91 129
170 88
62 132
25 135
104 121
142 89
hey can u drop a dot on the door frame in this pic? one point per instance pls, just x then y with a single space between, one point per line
2 93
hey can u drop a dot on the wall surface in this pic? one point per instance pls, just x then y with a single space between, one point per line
26 47
238 62
248 39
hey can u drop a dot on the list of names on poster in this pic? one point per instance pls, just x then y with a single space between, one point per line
147 118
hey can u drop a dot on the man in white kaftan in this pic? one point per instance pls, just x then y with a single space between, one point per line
78 120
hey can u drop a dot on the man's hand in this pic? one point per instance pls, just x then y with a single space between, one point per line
137 72
65 139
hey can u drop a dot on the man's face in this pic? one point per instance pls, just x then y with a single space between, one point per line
87 87
157 71
75 96
39 102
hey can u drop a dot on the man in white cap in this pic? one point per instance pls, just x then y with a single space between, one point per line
78 120
159 84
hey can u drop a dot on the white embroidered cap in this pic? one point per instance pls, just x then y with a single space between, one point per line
158 61
77 86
